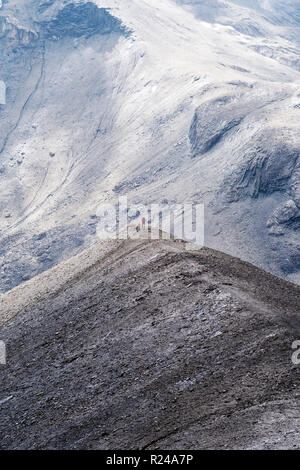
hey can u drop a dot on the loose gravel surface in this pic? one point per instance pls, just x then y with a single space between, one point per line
145 345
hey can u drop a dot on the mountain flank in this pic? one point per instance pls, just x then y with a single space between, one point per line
145 345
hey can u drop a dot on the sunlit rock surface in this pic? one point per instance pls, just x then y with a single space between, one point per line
186 101
145 345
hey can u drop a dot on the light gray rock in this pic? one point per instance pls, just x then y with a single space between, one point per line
143 345
285 213
96 86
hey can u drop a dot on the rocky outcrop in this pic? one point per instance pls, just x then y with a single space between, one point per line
250 134
77 20
285 215
93 112
12 35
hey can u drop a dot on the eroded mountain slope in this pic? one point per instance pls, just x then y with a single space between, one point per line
157 101
144 345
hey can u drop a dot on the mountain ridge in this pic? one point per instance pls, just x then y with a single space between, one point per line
143 345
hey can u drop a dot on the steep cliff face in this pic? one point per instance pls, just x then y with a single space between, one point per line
258 129
160 101
247 13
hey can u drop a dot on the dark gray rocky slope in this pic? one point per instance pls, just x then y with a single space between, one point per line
179 101
144 345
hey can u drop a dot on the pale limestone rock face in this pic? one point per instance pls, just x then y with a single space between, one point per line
159 101
286 212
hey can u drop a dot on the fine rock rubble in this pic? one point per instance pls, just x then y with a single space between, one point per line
145 345
162 100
